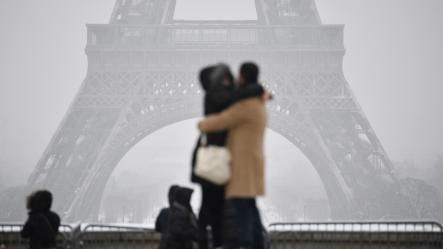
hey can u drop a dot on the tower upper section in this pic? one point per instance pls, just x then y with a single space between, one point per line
272 12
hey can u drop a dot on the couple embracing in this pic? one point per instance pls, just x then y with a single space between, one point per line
235 117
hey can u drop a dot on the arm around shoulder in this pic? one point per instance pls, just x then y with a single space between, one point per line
222 121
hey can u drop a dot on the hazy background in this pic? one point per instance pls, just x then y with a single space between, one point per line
394 64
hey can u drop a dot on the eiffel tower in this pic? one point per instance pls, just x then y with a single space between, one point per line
142 76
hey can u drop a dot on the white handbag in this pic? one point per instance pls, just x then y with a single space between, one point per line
213 163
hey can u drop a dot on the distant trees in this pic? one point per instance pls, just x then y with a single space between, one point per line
437 175
431 171
406 168
2 185
12 203
439 163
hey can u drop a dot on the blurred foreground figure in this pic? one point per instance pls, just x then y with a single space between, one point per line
221 92
246 124
179 227
42 225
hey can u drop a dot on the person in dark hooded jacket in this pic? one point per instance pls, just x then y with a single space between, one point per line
220 93
181 231
161 222
42 225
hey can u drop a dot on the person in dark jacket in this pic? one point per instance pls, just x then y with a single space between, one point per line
162 219
181 231
42 225
220 93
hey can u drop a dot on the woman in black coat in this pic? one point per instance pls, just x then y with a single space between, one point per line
42 225
181 231
220 93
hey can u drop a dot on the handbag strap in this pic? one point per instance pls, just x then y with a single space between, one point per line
203 140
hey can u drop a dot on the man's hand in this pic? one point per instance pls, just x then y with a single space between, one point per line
199 125
266 96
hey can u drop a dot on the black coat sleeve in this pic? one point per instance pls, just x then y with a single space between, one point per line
161 221
194 178
57 223
181 226
27 228
225 98
194 153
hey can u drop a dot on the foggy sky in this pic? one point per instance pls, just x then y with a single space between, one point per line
393 63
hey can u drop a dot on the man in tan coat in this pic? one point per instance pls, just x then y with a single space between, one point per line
246 123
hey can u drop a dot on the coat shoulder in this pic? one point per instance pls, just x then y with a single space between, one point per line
253 108
249 103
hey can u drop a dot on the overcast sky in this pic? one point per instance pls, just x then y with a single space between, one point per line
394 64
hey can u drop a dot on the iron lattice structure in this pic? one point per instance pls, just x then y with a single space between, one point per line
142 77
